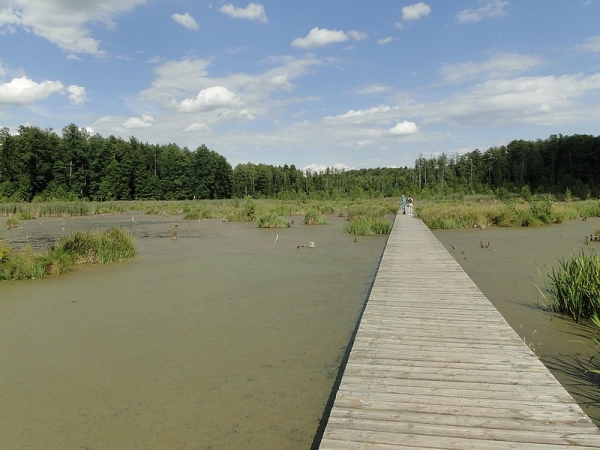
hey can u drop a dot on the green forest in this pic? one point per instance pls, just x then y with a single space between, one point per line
40 165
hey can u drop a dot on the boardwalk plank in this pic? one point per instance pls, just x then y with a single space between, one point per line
434 365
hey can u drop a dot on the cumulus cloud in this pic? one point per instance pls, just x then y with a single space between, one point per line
366 112
490 9
547 100
591 44
319 37
185 20
64 23
404 129
386 40
77 95
209 99
139 122
254 11
197 126
416 11
23 91
374 89
186 86
357 35
498 66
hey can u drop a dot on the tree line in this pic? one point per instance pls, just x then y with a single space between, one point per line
38 164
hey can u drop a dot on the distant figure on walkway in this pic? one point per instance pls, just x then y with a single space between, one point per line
409 205
403 204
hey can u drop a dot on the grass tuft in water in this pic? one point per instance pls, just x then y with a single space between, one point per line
101 247
313 217
272 220
573 289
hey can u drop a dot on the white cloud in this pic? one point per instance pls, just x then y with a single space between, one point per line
319 37
186 87
196 126
490 9
591 44
281 81
545 100
374 89
357 35
23 91
404 129
139 122
64 23
186 20
498 66
209 99
77 95
366 112
416 11
254 11
386 40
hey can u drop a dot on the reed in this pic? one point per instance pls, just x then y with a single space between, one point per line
11 222
272 220
573 289
368 226
102 247
511 212
313 217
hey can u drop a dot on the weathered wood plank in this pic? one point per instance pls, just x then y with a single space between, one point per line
434 365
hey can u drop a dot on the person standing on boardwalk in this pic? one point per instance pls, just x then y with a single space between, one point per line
410 204
403 204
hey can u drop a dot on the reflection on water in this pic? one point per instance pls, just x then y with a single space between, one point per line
220 339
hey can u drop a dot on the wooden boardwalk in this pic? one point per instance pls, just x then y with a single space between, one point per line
434 365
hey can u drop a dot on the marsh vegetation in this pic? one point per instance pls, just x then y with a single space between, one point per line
78 247
514 211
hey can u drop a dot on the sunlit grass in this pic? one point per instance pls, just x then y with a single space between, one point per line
78 247
573 289
510 213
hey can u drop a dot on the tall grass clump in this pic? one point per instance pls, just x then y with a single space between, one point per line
367 220
11 222
78 247
573 289
272 220
313 217
102 247
368 226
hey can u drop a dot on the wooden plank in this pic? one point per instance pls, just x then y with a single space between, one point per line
434 365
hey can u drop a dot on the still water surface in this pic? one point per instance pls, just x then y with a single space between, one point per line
221 339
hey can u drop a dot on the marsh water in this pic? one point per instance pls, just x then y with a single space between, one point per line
228 337
232 336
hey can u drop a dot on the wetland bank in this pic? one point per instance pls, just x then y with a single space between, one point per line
219 339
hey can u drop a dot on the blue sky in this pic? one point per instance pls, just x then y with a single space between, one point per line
316 83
